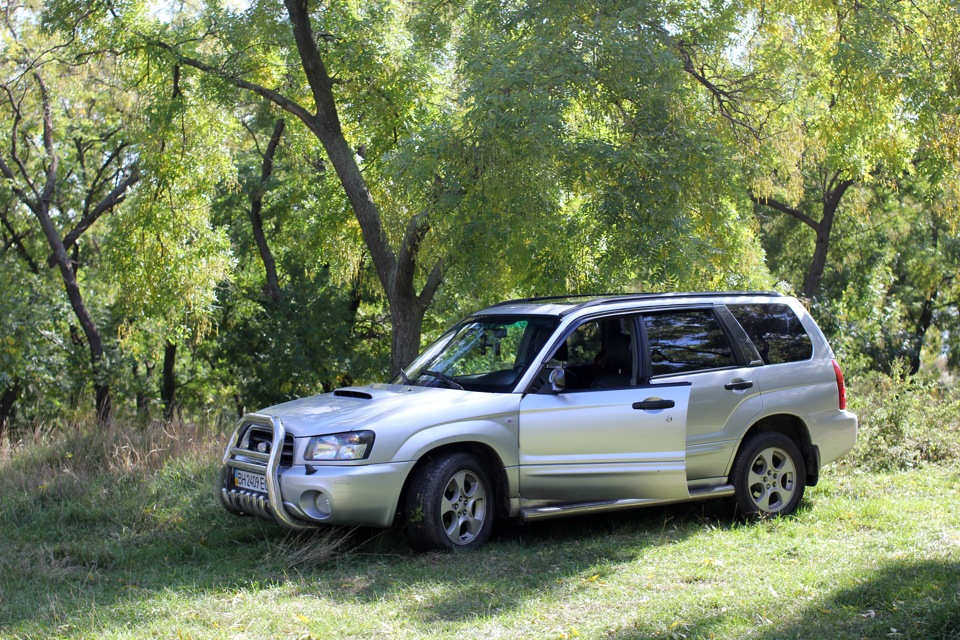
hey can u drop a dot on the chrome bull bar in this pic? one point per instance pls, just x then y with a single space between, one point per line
244 502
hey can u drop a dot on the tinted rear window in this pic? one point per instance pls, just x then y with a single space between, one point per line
684 341
775 330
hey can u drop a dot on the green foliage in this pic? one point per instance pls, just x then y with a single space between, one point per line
33 343
577 161
905 421
549 147
309 343
161 253
892 292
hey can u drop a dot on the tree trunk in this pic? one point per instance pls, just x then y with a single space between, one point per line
396 274
818 264
7 406
833 192
38 199
272 287
101 386
832 195
142 399
407 319
920 331
168 386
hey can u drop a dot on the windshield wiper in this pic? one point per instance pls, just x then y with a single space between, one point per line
403 376
445 378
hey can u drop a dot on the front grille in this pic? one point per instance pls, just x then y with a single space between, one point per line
249 451
258 441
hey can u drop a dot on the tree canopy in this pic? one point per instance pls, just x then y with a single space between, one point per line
278 198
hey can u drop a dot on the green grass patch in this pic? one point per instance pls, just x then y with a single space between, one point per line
98 541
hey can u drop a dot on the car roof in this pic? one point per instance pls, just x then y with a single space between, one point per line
568 304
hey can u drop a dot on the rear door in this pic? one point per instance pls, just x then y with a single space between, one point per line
604 436
694 346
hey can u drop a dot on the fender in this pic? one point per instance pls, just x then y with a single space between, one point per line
502 438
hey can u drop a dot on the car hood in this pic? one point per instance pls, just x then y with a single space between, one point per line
386 405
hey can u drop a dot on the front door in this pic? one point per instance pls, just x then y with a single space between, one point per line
603 437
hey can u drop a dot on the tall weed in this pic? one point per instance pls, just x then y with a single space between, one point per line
905 420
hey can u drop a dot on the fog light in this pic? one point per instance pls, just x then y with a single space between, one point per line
322 503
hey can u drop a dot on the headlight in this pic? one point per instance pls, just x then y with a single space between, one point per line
354 445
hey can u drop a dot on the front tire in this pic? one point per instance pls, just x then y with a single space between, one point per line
449 504
769 476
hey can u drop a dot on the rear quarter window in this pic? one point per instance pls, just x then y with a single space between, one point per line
775 330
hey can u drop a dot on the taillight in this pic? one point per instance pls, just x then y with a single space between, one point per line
841 387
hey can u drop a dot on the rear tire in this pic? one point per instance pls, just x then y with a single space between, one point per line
769 476
450 504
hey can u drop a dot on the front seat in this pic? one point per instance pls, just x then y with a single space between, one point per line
614 364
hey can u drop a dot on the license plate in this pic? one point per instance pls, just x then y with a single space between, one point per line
250 481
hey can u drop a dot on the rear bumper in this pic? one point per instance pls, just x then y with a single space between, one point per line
834 435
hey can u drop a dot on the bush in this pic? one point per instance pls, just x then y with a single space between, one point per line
905 421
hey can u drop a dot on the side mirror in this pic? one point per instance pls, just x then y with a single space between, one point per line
557 380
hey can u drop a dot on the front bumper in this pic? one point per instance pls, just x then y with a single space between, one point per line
301 496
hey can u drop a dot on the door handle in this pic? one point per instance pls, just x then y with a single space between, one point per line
650 405
738 385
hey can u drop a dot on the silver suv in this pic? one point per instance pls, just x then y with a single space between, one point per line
548 407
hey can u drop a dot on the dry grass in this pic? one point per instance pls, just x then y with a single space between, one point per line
60 464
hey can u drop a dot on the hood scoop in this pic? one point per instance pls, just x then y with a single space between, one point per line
352 393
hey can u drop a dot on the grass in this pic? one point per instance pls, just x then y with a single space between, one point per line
121 536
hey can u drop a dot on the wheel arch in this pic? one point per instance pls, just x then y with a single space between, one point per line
794 428
487 455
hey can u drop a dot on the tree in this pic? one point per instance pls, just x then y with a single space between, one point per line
312 336
397 269
407 165
832 95
66 159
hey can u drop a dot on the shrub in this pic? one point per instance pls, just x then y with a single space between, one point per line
905 420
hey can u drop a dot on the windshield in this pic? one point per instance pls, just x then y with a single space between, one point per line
481 353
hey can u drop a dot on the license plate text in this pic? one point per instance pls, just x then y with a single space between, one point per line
250 481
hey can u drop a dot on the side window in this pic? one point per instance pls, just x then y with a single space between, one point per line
583 345
775 330
599 354
684 341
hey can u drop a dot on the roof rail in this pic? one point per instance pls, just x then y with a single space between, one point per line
612 298
675 294
553 298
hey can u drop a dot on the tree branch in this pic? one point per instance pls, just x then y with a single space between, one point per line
434 280
790 211
31 203
313 66
111 200
417 228
275 97
272 287
16 240
727 100
54 160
